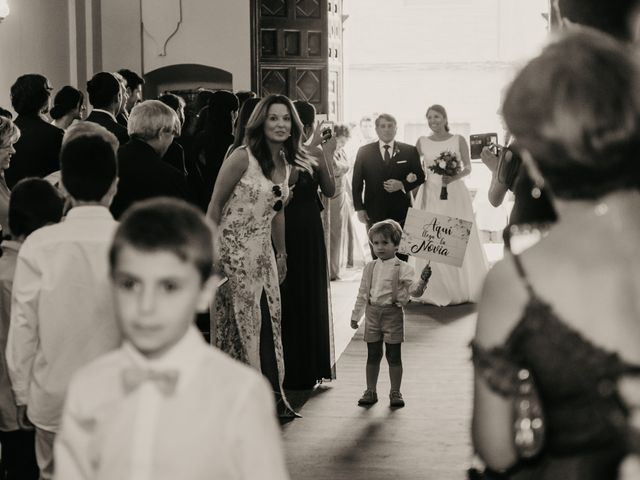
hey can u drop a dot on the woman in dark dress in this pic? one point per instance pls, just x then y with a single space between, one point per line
564 313
213 140
307 327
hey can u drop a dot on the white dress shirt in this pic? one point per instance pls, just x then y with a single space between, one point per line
62 314
381 145
219 423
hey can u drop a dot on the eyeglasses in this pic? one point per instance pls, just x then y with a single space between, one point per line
277 191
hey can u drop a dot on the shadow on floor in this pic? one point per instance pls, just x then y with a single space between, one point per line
441 315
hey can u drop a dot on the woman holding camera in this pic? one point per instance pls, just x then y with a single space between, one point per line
449 285
565 312
307 328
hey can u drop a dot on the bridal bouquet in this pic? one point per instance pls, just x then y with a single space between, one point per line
446 163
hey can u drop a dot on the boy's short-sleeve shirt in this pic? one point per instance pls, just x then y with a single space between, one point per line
219 423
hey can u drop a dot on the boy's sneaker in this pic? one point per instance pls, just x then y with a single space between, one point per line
369 397
395 399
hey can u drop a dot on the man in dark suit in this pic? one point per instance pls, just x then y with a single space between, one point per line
142 172
387 170
38 148
105 96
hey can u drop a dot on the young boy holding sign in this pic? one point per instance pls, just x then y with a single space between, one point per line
386 285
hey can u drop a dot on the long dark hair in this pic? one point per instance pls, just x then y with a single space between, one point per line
257 142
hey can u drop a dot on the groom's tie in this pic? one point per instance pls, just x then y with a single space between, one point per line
386 157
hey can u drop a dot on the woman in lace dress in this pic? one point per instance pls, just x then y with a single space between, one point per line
247 208
567 308
449 285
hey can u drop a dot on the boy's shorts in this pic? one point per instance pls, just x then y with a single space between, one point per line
384 323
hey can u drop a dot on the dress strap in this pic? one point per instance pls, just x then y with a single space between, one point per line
523 274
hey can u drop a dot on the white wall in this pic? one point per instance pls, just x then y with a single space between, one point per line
215 33
34 38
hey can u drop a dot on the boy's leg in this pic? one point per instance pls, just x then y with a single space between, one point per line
374 357
394 358
44 452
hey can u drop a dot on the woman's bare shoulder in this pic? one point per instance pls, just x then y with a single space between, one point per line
504 297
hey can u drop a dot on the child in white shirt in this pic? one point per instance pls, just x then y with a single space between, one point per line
62 314
33 204
386 285
166 405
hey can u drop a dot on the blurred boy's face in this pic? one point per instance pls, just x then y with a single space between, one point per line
383 247
157 296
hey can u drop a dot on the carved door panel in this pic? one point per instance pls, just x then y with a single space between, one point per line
297 51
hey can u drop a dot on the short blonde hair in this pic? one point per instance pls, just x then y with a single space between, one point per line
9 132
151 117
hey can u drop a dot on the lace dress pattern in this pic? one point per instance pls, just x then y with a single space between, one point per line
587 432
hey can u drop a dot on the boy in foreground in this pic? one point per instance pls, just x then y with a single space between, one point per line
166 405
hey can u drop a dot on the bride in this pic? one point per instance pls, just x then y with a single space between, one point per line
449 285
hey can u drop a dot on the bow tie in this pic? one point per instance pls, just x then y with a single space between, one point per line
165 381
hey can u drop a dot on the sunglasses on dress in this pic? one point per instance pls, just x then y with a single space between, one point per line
277 191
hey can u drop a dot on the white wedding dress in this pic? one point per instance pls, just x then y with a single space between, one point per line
449 285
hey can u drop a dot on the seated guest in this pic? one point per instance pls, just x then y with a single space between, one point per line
68 105
34 204
62 313
143 173
105 96
133 90
39 145
9 135
166 405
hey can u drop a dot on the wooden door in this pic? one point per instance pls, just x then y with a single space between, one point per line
297 51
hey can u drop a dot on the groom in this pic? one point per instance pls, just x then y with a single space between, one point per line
387 170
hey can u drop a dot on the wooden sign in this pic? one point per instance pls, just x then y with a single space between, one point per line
435 237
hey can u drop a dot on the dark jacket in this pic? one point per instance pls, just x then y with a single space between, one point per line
110 124
370 172
37 150
143 174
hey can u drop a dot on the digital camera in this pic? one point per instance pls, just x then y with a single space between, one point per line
480 140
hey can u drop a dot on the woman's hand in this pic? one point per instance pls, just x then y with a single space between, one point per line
489 159
447 179
281 262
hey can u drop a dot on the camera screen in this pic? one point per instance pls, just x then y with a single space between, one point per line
478 141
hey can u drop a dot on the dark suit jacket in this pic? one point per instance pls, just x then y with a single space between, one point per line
370 172
107 122
143 174
37 150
